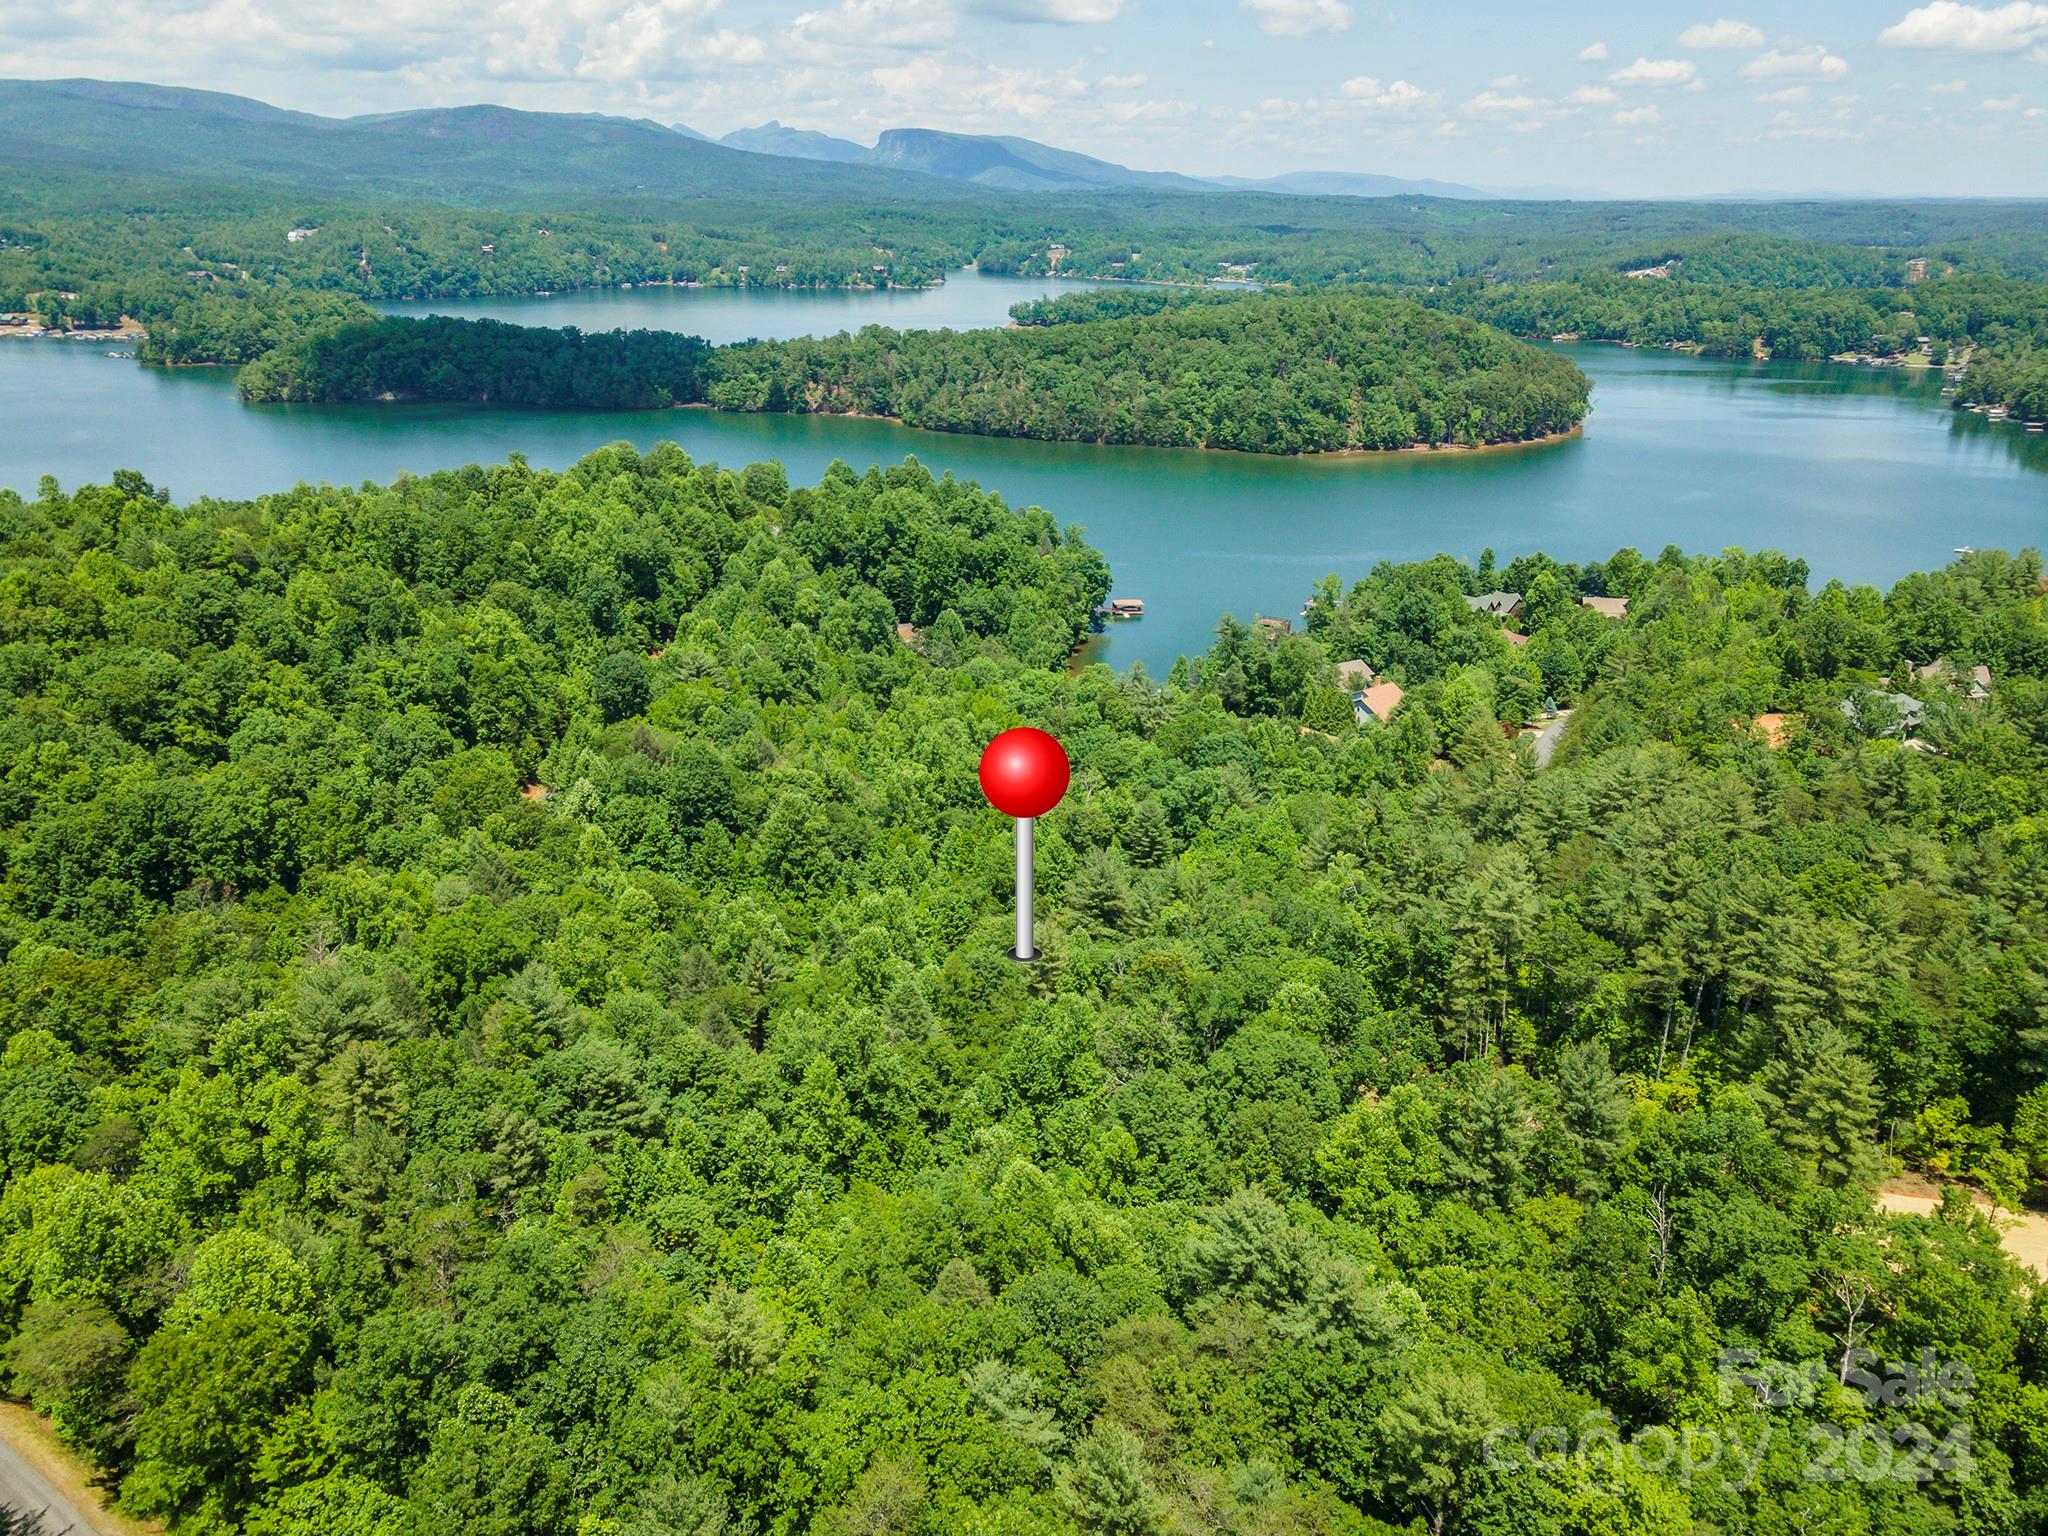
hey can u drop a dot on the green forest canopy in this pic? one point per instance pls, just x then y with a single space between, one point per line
506 1028
1261 375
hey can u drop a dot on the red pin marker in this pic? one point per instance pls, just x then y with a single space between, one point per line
1024 773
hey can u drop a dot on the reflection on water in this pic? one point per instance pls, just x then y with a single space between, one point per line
2030 448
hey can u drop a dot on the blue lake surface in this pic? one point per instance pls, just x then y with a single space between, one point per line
1864 473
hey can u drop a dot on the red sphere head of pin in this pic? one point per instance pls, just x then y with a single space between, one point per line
1024 772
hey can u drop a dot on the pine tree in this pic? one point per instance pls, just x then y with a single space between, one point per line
678 1505
1147 837
1100 890
1008 1399
1487 1146
1822 1099
1592 1109
518 1153
1430 1440
1106 1489
1324 708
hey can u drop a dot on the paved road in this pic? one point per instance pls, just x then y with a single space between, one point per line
29 1506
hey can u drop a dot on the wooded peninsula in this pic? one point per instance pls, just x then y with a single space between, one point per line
1258 374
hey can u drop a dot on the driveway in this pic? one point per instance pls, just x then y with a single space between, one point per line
1547 738
30 1505
2023 1234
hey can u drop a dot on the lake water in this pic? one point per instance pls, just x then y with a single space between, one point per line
965 301
1864 473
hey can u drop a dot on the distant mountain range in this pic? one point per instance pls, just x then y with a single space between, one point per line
494 153
1024 165
485 154
771 138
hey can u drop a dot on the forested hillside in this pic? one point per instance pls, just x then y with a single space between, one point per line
2016 379
440 358
1954 314
1259 375
506 1029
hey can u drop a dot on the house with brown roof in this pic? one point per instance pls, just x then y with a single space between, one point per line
1353 676
1376 703
1774 728
1606 607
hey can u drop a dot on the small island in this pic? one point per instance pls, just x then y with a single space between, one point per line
1253 374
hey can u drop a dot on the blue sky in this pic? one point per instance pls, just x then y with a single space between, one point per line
1883 96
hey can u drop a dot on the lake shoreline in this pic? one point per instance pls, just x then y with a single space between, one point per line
1310 455
131 331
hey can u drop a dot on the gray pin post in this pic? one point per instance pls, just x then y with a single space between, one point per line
1024 773
1025 950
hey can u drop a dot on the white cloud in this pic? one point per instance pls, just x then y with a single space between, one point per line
1639 117
1398 96
1084 13
1594 96
1361 105
876 24
2000 103
975 97
1495 101
1592 53
1274 109
1298 18
462 49
1721 34
1812 61
1655 72
1122 82
1506 82
664 40
1789 93
1969 28
1949 88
